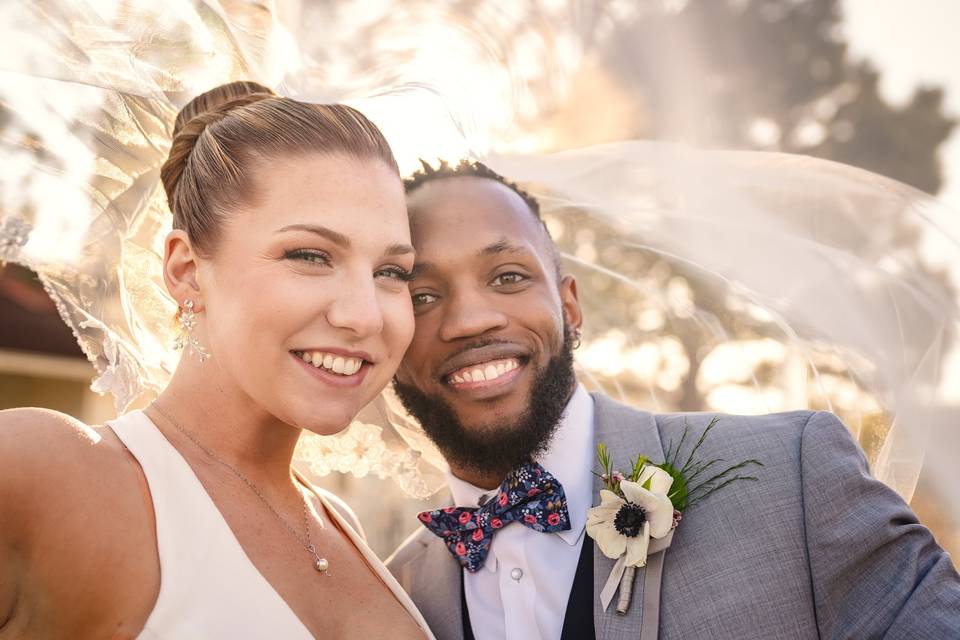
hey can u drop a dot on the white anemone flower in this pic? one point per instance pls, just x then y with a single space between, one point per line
624 526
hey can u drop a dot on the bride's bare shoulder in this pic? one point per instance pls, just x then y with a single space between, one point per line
76 519
42 421
43 448
30 432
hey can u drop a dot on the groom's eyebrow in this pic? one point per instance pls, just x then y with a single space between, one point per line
502 245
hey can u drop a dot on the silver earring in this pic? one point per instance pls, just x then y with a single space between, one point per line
576 338
186 339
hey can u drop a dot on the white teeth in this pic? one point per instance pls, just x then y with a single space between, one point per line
337 364
490 371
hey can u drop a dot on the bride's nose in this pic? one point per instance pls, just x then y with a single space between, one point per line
356 307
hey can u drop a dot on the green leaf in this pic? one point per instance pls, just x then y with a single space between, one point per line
636 468
678 490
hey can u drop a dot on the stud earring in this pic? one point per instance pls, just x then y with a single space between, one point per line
186 340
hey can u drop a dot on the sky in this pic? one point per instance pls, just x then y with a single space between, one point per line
913 43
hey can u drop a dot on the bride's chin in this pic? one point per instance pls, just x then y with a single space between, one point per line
326 425
325 429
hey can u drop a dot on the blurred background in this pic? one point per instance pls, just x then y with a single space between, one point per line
870 83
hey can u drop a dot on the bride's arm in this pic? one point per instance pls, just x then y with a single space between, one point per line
10 532
24 433
73 530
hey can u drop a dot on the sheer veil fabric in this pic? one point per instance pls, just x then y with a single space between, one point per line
711 280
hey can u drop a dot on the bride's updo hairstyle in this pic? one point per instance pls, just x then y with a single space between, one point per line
221 136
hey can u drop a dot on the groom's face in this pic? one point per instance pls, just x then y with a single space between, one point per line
489 308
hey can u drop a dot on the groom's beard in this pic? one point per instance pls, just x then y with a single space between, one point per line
500 448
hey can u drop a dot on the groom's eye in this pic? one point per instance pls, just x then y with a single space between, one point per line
511 277
420 299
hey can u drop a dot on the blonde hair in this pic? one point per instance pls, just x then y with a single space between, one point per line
222 133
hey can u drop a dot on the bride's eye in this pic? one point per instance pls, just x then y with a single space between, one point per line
311 256
394 272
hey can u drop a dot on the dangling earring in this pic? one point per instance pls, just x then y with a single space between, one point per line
576 338
186 340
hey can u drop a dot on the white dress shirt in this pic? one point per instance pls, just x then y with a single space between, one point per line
521 591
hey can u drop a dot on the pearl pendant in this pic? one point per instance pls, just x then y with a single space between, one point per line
321 565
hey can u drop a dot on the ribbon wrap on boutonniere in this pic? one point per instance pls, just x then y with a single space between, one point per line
639 511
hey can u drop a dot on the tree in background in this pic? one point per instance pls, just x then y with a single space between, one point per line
735 74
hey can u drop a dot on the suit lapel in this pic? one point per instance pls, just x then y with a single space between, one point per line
627 433
436 582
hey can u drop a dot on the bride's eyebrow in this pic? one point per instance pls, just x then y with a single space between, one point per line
335 237
399 249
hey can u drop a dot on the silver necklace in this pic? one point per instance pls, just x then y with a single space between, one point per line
320 564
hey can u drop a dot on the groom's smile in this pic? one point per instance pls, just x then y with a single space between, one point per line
489 308
485 372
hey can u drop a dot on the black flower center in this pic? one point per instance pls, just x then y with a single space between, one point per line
629 519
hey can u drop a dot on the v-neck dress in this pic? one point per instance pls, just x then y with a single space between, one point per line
209 588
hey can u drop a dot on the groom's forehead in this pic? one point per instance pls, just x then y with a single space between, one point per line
452 214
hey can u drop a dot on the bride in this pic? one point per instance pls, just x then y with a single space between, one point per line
288 261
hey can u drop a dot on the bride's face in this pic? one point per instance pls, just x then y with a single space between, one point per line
305 298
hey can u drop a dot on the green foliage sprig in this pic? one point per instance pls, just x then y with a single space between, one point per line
689 484
693 479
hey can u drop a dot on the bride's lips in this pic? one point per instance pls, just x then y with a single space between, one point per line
334 366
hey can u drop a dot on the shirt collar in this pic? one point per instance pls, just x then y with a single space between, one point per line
569 457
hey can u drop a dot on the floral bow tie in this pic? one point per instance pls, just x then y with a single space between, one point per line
529 495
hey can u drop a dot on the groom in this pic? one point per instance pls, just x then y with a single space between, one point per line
814 548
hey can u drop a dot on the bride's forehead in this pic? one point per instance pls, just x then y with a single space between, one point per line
356 193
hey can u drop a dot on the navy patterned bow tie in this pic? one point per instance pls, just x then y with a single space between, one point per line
529 495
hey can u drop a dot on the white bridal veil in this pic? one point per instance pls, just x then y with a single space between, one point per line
716 281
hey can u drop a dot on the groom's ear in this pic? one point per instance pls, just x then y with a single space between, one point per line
180 265
570 302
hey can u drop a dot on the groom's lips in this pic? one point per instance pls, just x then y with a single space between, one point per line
481 356
485 372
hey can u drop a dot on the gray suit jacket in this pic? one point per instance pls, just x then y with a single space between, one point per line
816 548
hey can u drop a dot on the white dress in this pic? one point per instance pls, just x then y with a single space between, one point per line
209 588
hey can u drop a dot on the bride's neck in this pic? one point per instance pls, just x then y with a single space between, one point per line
225 421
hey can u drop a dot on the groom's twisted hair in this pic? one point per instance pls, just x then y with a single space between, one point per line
474 168
466 167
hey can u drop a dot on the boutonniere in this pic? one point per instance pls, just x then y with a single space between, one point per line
639 510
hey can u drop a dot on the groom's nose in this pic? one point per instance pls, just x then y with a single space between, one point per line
469 313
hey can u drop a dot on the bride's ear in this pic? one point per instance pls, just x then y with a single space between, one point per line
180 264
